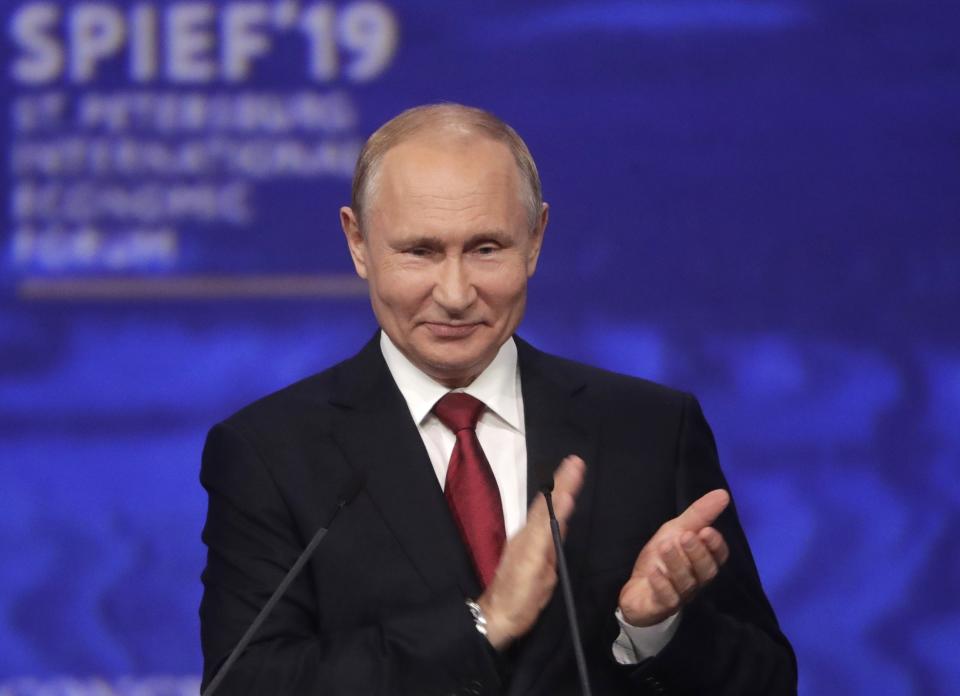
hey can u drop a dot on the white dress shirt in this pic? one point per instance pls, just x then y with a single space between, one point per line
502 436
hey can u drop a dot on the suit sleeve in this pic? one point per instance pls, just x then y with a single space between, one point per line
728 642
252 541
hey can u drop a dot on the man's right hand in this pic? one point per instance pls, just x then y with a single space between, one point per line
526 575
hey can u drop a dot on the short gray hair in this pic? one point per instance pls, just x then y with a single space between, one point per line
447 116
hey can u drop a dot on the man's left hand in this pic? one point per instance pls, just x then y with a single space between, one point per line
681 558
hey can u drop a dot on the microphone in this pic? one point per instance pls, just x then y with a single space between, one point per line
567 589
348 491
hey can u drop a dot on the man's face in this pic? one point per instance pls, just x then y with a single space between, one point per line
447 249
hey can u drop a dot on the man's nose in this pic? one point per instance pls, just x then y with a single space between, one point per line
454 290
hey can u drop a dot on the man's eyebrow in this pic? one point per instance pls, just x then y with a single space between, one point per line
429 240
420 240
494 235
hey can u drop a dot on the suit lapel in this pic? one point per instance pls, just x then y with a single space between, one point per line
557 424
554 425
379 438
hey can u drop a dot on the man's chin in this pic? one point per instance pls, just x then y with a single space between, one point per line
454 372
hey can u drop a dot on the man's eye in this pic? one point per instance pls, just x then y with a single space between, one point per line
486 249
419 251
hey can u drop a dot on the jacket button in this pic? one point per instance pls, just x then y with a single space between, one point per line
654 684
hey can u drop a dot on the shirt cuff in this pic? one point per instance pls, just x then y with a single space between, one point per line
638 643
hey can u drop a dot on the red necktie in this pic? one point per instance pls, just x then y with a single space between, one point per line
470 489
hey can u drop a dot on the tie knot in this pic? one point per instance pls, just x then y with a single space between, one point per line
459 411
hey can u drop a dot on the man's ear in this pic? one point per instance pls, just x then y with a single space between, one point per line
355 240
537 242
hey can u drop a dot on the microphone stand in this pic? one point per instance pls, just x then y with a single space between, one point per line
568 596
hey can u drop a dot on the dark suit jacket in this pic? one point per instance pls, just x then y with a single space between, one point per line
379 609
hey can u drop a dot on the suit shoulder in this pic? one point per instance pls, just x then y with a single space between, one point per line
615 385
307 398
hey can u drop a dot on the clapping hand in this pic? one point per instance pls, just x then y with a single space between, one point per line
682 557
526 576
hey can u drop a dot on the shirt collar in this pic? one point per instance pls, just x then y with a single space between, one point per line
498 386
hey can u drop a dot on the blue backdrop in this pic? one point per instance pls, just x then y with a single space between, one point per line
754 200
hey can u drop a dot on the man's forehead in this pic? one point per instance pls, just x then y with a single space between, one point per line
442 174
432 169
441 147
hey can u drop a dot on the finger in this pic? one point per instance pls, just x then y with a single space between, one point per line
678 569
569 475
702 562
665 594
567 483
717 545
648 600
536 535
703 511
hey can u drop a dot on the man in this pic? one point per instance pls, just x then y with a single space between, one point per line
439 577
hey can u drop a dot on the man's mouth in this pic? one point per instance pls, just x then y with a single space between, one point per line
445 330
